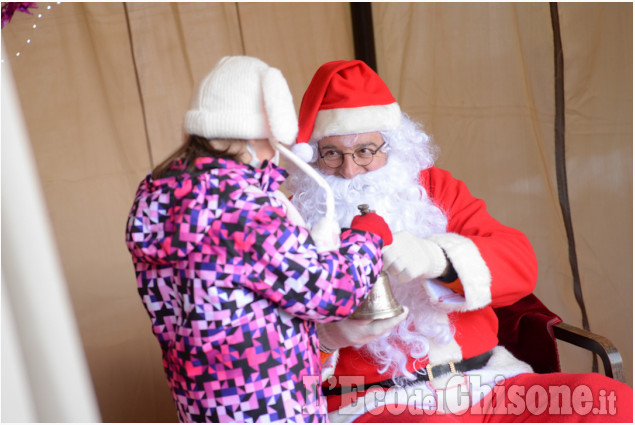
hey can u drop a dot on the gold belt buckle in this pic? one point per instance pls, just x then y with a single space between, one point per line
429 369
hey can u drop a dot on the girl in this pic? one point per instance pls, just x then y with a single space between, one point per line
231 279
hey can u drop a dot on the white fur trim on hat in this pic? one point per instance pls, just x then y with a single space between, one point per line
365 119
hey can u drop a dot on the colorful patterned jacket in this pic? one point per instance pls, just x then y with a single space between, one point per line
233 289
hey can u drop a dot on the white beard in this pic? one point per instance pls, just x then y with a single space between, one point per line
395 194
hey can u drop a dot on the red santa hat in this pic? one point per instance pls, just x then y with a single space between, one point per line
344 97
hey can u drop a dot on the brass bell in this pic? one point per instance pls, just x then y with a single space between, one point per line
380 303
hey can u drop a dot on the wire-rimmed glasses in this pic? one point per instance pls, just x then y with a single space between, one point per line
362 156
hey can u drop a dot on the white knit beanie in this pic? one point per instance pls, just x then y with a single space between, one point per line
243 98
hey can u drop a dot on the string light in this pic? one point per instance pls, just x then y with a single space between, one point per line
31 36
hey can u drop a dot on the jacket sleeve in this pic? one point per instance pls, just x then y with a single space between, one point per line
496 264
287 269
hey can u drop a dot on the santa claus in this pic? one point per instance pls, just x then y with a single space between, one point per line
450 264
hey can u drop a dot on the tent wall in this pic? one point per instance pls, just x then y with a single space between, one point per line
104 86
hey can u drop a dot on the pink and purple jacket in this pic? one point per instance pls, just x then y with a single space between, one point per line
233 290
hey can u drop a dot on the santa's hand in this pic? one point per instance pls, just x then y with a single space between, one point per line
410 257
349 332
326 235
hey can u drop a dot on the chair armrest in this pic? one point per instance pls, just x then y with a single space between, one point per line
603 347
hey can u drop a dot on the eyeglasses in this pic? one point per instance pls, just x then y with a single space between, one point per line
361 157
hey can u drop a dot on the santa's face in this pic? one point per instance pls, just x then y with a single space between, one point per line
350 155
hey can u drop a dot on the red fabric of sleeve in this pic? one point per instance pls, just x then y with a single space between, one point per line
506 251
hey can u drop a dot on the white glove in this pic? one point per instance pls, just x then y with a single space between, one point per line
348 332
409 257
326 235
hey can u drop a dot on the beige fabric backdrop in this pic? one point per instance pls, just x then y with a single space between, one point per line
104 86
480 77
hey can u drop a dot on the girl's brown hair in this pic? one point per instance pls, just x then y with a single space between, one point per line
194 147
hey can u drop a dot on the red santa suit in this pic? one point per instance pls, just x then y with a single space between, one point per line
496 266
470 377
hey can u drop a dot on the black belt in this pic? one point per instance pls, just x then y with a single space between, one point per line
422 375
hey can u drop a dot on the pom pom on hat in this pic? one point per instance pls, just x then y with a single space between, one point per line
345 97
305 151
243 98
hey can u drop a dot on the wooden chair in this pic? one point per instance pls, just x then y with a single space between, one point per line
529 330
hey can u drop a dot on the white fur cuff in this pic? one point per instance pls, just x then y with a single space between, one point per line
470 267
